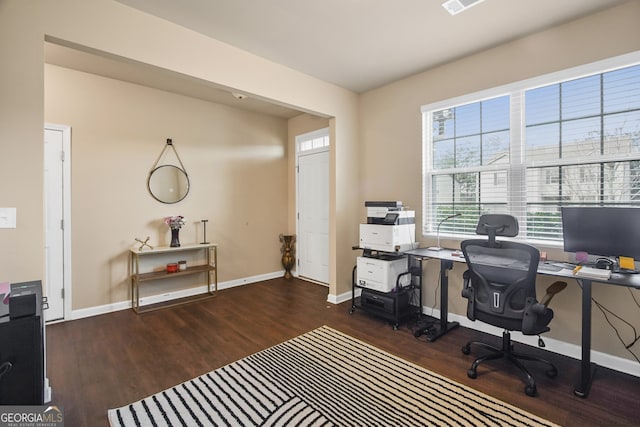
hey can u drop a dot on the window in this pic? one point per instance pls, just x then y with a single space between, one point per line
470 152
313 141
568 139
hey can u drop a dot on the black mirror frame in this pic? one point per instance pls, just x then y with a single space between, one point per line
172 201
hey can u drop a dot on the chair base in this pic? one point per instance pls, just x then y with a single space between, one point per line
514 357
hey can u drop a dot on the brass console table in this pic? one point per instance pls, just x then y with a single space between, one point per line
209 267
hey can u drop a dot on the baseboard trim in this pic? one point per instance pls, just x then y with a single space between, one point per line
555 346
339 299
155 299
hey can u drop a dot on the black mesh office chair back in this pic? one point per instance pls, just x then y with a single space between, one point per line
500 286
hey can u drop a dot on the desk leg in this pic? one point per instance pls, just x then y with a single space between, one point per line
443 327
586 369
353 290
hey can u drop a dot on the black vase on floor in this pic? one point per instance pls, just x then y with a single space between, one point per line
175 238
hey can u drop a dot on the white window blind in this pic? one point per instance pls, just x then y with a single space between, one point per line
568 139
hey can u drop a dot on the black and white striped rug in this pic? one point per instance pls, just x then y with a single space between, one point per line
321 378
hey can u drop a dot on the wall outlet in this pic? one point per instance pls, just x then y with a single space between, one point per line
7 217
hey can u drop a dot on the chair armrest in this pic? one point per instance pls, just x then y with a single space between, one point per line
551 291
536 317
467 290
539 309
469 293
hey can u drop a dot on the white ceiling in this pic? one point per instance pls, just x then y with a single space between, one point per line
364 44
356 44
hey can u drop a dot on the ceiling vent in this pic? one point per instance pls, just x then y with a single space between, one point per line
456 6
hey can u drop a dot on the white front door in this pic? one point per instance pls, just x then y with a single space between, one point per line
56 147
313 214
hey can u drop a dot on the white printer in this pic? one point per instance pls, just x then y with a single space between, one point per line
389 227
377 211
382 274
387 238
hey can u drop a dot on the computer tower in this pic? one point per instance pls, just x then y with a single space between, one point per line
22 346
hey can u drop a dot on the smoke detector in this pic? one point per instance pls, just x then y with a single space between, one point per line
237 95
456 6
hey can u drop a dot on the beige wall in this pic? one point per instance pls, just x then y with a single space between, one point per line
391 123
92 24
236 161
21 140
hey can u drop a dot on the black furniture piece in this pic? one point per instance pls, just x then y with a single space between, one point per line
22 346
500 287
403 302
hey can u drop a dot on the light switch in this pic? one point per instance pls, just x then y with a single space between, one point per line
7 217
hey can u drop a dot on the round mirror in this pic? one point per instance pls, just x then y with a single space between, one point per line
168 184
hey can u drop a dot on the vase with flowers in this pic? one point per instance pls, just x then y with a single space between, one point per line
175 223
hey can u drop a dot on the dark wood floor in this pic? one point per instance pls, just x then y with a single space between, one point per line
108 361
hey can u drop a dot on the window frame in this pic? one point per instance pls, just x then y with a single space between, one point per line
312 138
516 203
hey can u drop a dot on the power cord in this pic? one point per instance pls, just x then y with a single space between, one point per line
605 310
422 327
4 368
634 297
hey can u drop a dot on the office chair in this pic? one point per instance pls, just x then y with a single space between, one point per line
500 287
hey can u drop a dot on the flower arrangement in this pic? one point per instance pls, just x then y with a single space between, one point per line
174 222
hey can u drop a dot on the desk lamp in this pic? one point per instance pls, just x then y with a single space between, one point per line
437 247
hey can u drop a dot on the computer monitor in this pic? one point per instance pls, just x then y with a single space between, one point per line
603 231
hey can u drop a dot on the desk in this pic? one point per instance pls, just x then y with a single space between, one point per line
587 369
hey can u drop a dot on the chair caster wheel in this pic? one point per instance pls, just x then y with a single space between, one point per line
471 373
530 390
552 373
466 349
